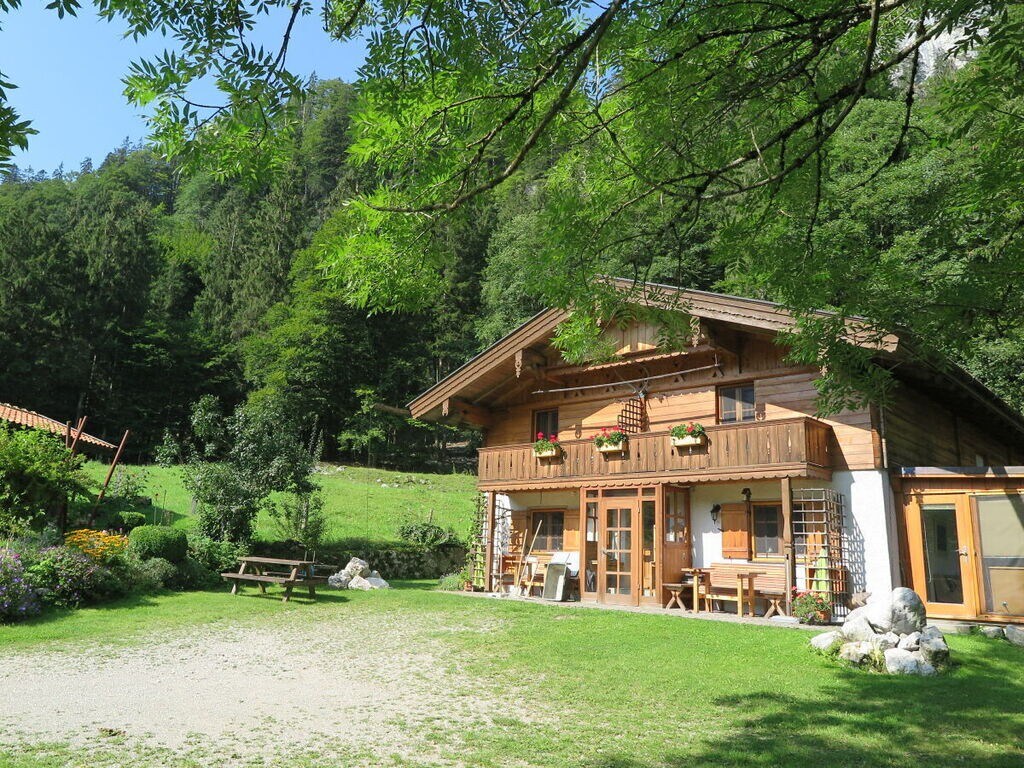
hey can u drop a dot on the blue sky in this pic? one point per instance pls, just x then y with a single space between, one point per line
68 72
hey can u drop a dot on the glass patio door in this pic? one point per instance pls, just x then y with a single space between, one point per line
942 557
617 573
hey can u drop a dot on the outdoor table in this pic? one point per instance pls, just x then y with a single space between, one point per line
274 570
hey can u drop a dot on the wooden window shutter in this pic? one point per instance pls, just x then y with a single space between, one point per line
735 531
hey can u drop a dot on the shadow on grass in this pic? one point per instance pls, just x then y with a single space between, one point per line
971 716
122 603
422 585
297 598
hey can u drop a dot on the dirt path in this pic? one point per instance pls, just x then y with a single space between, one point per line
364 684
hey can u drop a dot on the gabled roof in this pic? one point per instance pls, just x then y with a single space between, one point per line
488 370
495 363
33 420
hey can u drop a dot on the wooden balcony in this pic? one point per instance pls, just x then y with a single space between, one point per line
798 447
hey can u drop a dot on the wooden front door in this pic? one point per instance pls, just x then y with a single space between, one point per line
942 557
676 551
618 563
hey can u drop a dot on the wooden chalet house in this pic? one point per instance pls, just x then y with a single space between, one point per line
927 492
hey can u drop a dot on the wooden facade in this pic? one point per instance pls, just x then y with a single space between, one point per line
628 518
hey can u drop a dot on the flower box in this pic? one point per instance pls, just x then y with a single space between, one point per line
688 440
618 447
547 453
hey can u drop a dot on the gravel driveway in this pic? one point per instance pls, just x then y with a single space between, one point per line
356 685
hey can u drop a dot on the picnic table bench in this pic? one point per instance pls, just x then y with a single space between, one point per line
274 570
741 583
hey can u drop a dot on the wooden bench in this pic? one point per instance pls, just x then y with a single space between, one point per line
741 583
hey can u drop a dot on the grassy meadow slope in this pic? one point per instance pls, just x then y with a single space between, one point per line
360 503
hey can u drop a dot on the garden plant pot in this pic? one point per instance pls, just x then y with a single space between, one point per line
550 453
688 441
612 447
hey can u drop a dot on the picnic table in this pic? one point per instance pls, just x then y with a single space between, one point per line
274 570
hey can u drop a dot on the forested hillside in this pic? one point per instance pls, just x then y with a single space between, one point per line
130 289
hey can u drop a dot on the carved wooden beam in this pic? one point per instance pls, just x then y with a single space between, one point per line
530 360
457 411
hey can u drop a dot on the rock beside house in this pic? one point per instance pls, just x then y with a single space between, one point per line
1015 634
889 634
357 575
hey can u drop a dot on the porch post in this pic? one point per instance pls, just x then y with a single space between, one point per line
787 539
488 535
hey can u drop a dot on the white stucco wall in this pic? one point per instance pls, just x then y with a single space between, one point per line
868 522
870 528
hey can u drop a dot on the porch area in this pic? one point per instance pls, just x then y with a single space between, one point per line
731 548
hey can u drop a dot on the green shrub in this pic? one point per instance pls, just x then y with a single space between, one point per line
213 555
37 475
148 541
131 520
17 597
191 574
66 578
154 573
428 535
453 582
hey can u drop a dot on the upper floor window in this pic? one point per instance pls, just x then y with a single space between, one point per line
736 403
767 530
550 527
545 423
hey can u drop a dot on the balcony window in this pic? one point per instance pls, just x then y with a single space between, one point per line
545 423
736 403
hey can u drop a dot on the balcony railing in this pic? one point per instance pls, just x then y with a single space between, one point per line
764 445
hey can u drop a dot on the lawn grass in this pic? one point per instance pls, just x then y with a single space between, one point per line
359 503
609 689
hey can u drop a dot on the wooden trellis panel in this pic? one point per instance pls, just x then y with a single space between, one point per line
633 418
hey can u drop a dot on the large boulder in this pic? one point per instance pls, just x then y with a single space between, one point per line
826 640
901 662
1015 634
358 582
857 652
910 642
376 582
934 650
858 629
339 580
357 567
900 611
993 633
886 641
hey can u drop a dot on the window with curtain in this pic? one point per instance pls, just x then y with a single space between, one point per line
736 403
550 533
545 422
767 520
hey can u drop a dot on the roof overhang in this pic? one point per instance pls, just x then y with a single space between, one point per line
459 397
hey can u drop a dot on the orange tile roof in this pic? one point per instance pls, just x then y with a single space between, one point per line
24 418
